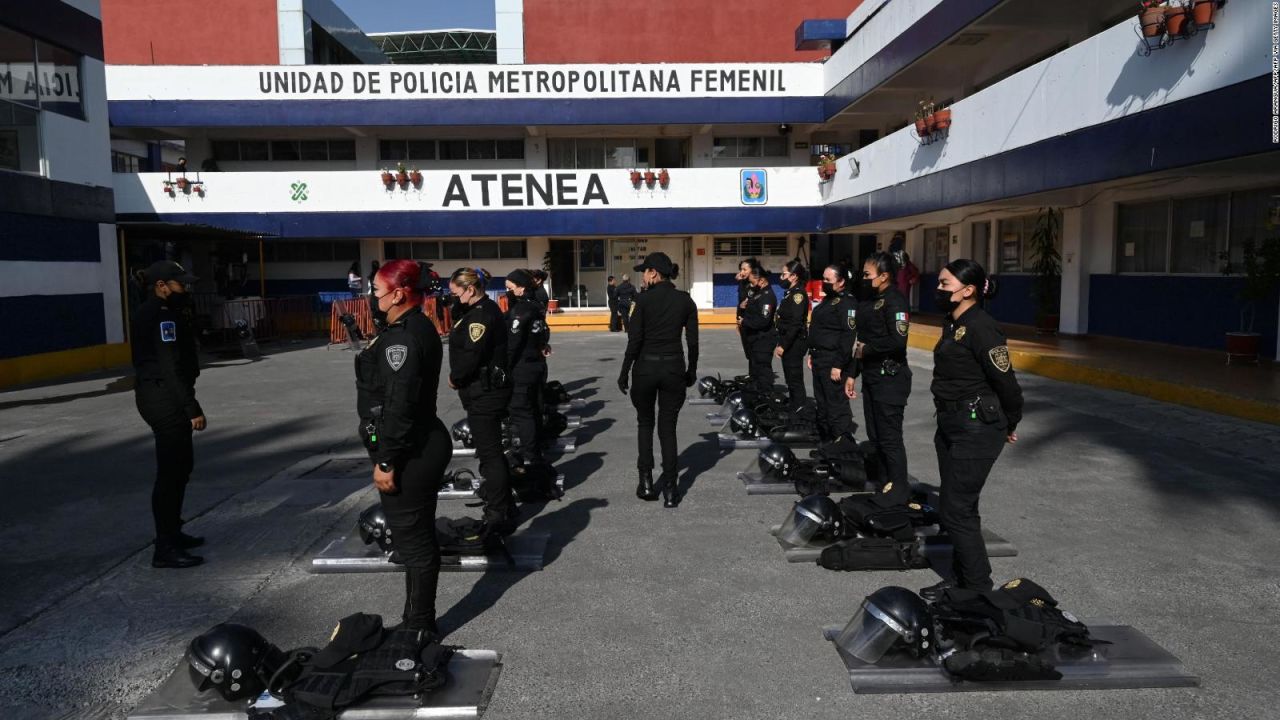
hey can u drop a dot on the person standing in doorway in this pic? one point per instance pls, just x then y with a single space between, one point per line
166 364
615 322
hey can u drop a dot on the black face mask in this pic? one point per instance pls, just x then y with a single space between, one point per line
178 300
866 290
456 305
943 299
828 288
512 297
379 316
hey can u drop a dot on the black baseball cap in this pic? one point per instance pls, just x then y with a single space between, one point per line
165 270
657 261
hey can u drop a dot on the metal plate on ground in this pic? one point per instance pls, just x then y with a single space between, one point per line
473 676
757 484
574 404
348 554
565 444
696 399
935 546
573 422
1132 660
449 492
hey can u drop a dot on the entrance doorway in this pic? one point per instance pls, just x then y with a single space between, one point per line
580 268
670 152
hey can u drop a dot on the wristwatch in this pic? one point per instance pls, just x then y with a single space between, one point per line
384 467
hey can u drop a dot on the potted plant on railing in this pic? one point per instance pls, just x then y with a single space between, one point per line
183 183
636 178
650 178
402 175
415 177
1046 268
942 119
923 113
1260 263
664 178
1151 16
826 167
1175 18
387 178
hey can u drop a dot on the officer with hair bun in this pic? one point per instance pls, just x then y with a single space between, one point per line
397 382
793 312
661 313
979 406
831 332
478 371
527 352
759 337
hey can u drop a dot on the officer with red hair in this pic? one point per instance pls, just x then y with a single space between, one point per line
397 380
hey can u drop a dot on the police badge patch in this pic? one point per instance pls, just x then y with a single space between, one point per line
476 331
396 355
959 333
767 309
797 298
901 322
168 331
515 325
853 319
879 303
1000 358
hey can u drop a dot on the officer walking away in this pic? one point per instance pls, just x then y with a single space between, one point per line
611 291
527 351
831 333
397 382
979 406
625 297
759 336
660 374
792 318
540 292
881 351
166 366
478 371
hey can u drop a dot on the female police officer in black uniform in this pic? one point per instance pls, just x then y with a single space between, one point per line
979 405
759 336
478 371
397 377
527 360
658 317
792 314
831 333
881 350
745 290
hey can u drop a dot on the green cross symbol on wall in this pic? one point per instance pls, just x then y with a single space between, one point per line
299 191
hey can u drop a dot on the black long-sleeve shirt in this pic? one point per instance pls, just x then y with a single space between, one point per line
625 295
660 315
757 317
527 329
477 342
972 359
882 327
397 383
831 332
792 313
164 349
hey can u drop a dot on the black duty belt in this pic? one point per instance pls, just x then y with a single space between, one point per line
957 405
660 358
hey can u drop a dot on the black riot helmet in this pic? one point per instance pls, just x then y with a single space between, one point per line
554 424
707 385
743 424
461 431
554 393
891 617
816 517
233 660
374 529
735 401
777 462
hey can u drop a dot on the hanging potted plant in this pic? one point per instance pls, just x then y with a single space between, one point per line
664 178
1046 267
826 167
402 175
1260 263
1151 16
1202 10
1175 19
387 178
942 119
636 178
415 177
183 184
922 122
650 178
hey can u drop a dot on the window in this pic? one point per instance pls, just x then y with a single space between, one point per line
510 149
1189 235
19 139
1013 252
595 153
591 255
1199 234
1142 238
484 249
481 150
748 147
512 249
936 254
453 149
455 250
745 247
1255 215
283 150
39 75
125 163
982 243
255 150
313 251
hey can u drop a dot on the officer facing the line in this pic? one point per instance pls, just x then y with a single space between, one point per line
661 314
793 312
166 366
881 354
759 337
979 406
831 333
478 371
743 277
397 381
626 295
527 352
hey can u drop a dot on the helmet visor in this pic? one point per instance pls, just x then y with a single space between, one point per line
870 634
799 528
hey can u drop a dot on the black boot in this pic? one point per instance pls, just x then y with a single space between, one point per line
645 490
186 542
933 592
671 495
169 554
420 599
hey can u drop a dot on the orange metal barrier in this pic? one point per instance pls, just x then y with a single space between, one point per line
359 308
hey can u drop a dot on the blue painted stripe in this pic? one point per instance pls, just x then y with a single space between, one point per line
500 223
48 323
331 113
817 34
56 22
1164 138
937 26
44 238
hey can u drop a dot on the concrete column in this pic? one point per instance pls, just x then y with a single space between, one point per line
701 282
700 148
960 244
535 153
291 24
509 24
1074 315
367 153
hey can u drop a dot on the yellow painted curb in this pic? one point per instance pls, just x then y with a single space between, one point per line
1162 390
48 366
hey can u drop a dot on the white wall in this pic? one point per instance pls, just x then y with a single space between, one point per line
109 282
891 20
79 151
509 24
